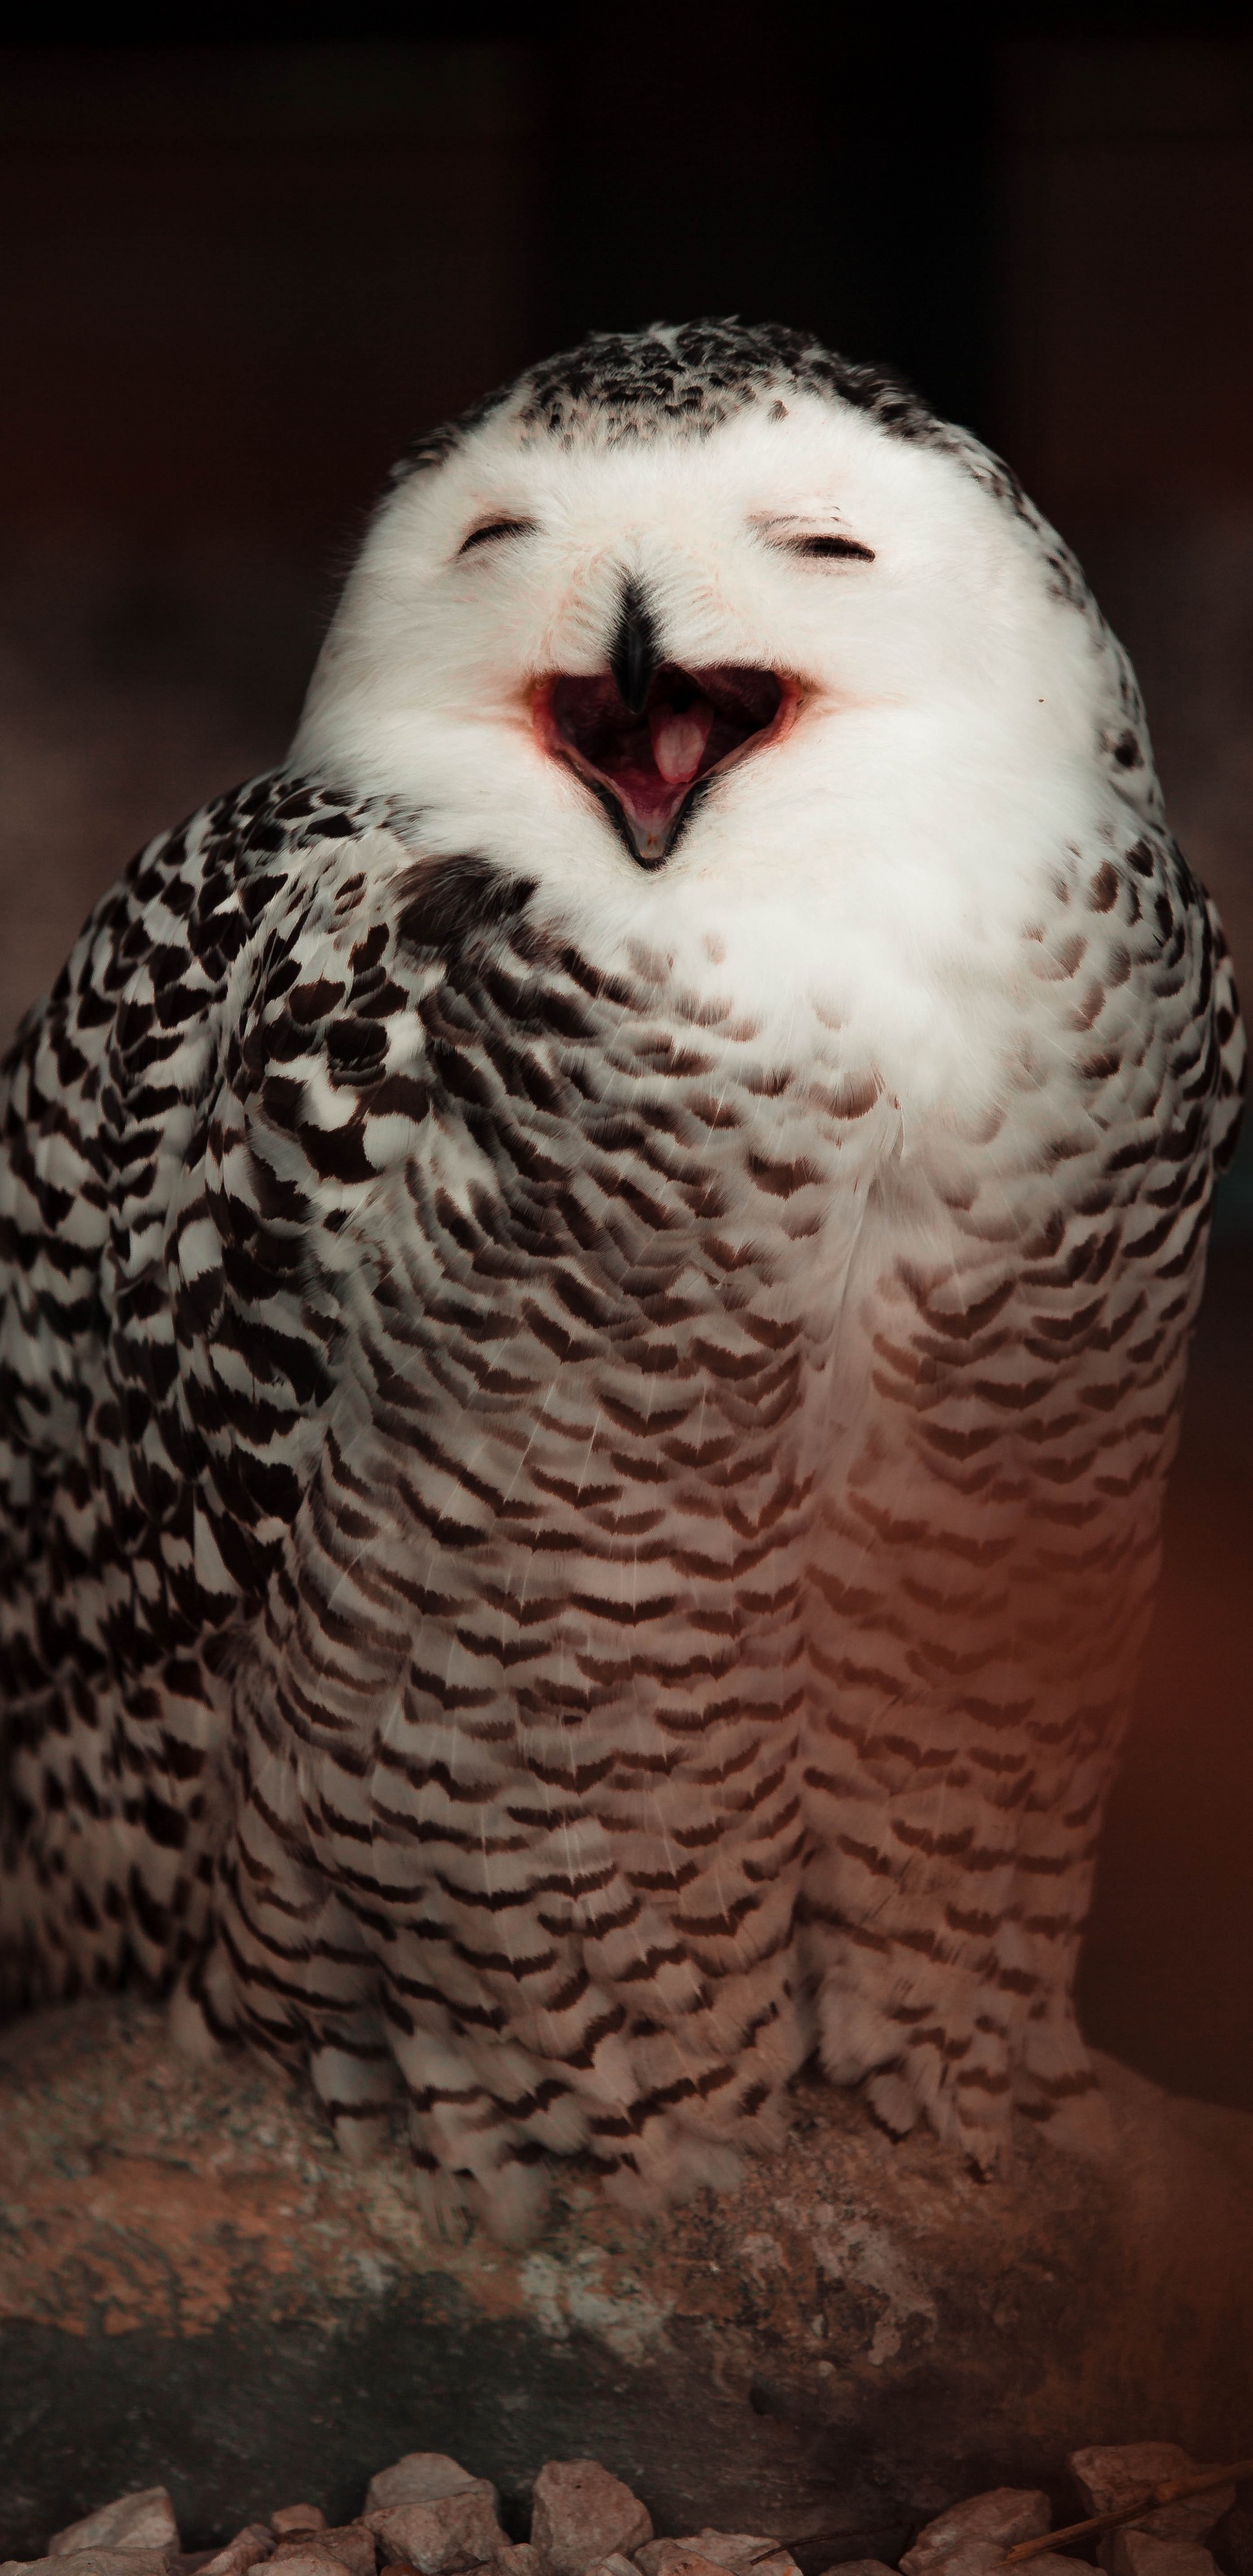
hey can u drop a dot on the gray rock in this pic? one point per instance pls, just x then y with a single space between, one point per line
144 2520
444 2536
1110 2474
1145 2553
580 2514
973 2536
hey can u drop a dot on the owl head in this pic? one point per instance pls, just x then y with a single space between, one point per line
709 617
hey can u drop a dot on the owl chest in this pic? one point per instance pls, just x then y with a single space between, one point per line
629 1299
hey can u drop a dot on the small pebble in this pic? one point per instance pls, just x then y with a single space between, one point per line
972 2537
98 2562
352 2543
422 2477
141 2521
581 2514
292 2518
860 2567
445 2536
247 2549
313 2553
1143 2553
1112 2473
678 2558
1051 2563
740 2553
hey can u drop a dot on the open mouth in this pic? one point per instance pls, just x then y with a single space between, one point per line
648 762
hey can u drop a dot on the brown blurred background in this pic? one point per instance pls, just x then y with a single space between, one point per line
238 276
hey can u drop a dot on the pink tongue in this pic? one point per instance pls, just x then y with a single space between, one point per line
679 741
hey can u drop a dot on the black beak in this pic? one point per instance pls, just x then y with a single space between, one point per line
635 651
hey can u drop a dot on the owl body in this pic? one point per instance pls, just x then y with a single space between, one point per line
600 1275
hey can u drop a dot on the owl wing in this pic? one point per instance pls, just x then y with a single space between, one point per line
154 1426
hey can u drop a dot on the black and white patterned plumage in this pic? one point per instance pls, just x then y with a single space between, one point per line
597 1277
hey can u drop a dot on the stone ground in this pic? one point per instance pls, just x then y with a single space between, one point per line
196 2290
427 2515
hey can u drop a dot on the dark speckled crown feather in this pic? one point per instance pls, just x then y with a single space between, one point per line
688 377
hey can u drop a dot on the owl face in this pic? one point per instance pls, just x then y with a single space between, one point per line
792 681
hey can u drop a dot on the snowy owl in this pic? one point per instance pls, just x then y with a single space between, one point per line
597 1279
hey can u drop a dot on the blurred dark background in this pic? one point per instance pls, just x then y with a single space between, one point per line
241 270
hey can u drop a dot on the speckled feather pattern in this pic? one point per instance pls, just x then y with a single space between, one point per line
562 1553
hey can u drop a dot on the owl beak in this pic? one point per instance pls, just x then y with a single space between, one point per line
647 736
634 655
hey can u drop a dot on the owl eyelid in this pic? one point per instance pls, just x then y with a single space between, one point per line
818 547
789 535
492 529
